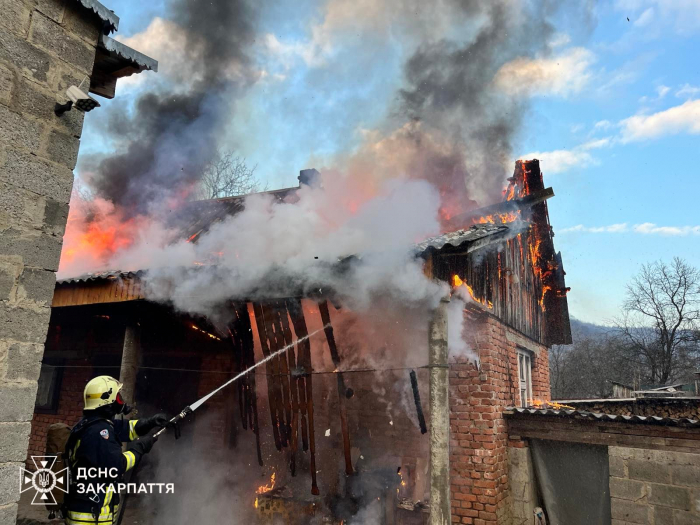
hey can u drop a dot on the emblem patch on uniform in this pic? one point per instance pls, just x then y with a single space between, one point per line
104 433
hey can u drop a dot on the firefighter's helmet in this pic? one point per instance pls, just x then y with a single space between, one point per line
101 391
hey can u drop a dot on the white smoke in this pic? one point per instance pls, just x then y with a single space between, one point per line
457 345
332 239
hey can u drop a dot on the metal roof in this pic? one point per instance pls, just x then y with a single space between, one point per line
99 276
122 53
597 416
487 233
99 288
105 14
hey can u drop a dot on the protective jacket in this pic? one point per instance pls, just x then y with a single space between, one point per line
94 449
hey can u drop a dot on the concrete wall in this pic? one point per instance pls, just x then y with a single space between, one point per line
654 487
523 490
45 46
479 443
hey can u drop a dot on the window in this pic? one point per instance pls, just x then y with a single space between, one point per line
49 387
525 377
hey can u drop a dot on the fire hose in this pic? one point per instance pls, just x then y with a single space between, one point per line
194 406
173 423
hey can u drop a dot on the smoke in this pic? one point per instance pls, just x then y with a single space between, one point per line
457 346
164 142
309 247
451 122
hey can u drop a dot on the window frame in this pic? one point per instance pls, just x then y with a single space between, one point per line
525 365
55 380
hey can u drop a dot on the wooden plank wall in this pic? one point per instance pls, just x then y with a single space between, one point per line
111 290
502 276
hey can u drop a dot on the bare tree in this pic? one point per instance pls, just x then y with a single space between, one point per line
660 321
228 175
586 368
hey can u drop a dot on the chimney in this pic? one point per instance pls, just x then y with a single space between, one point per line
309 177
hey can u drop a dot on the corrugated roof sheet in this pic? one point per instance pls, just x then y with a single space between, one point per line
106 15
99 276
470 235
99 288
597 416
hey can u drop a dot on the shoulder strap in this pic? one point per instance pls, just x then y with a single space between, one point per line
78 431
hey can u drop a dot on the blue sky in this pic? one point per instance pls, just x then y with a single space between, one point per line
614 117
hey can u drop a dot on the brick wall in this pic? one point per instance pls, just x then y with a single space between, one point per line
45 46
69 411
654 487
478 436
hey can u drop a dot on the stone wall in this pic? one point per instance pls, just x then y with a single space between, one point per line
478 437
521 478
45 46
654 487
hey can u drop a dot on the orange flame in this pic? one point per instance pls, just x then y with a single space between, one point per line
457 282
262 489
195 327
498 218
539 403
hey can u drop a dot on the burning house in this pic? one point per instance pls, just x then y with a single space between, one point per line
387 412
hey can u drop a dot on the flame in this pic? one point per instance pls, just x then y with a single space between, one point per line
256 503
539 403
402 484
498 218
545 289
457 282
511 192
262 489
195 327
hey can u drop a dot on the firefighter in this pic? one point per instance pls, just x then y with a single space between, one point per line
95 447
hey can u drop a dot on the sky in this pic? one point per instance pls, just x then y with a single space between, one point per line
613 116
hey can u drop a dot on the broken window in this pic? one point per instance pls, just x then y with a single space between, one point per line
525 376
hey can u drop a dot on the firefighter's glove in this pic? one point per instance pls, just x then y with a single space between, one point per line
145 425
143 445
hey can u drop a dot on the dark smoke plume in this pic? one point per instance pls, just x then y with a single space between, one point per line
450 93
172 134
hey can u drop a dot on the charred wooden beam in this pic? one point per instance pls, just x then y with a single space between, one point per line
271 392
242 334
505 207
416 399
292 382
296 313
279 378
335 356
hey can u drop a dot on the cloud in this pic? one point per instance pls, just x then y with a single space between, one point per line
688 91
559 161
646 228
341 21
645 18
562 75
662 91
649 228
682 15
679 119
163 40
602 124
613 228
